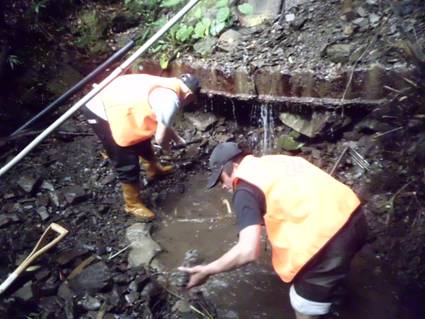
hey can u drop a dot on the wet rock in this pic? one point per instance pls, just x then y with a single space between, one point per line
132 297
93 279
28 183
46 185
89 303
191 258
181 306
227 314
65 292
151 290
229 40
43 213
202 121
49 287
25 293
74 194
49 305
311 127
339 53
143 247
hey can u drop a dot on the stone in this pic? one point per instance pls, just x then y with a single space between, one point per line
289 17
28 183
74 194
65 292
348 29
374 19
25 293
46 185
310 127
90 303
143 247
339 53
206 46
229 40
93 279
43 213
289 4
361 11
202 121
4 220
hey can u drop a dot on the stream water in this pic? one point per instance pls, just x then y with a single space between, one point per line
199 219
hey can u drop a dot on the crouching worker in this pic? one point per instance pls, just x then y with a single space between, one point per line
314 223
127 114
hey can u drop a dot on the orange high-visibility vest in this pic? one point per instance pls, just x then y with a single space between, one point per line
305 207
126 103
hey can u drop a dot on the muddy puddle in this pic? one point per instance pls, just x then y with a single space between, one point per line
199 219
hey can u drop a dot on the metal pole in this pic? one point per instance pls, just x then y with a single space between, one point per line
78 86
99 87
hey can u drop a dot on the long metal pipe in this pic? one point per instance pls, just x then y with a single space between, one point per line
99 87
117 55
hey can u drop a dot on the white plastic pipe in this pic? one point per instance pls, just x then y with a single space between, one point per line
99 87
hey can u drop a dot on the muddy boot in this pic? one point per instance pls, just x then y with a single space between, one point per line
133 204
154 169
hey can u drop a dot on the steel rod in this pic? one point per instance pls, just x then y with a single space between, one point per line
99 87
77 86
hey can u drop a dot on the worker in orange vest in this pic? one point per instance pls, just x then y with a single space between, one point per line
127 114
314 223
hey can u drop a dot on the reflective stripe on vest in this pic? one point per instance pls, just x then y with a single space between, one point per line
305 207
126 102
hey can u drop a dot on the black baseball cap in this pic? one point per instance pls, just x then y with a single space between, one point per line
192 82
221 154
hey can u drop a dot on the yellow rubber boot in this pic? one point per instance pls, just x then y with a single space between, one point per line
154 169
134 205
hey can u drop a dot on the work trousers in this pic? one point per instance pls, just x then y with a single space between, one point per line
322 277
125 160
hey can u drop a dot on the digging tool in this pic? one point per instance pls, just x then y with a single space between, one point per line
40 248
114 74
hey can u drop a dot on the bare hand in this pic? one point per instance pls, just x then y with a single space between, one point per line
198 275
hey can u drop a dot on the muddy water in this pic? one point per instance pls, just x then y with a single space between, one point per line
199 219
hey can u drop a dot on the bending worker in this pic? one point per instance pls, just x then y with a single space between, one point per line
314 224
127 114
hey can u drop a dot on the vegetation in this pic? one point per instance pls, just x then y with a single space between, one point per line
208 19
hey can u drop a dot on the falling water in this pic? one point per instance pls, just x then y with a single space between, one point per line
234 112
267 122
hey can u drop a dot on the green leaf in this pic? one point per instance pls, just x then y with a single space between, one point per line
223 14
288 143
198 13
199 31
217 27
184 33
222 3
245 9
170 3
163 61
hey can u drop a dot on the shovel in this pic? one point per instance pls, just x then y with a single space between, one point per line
42 246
